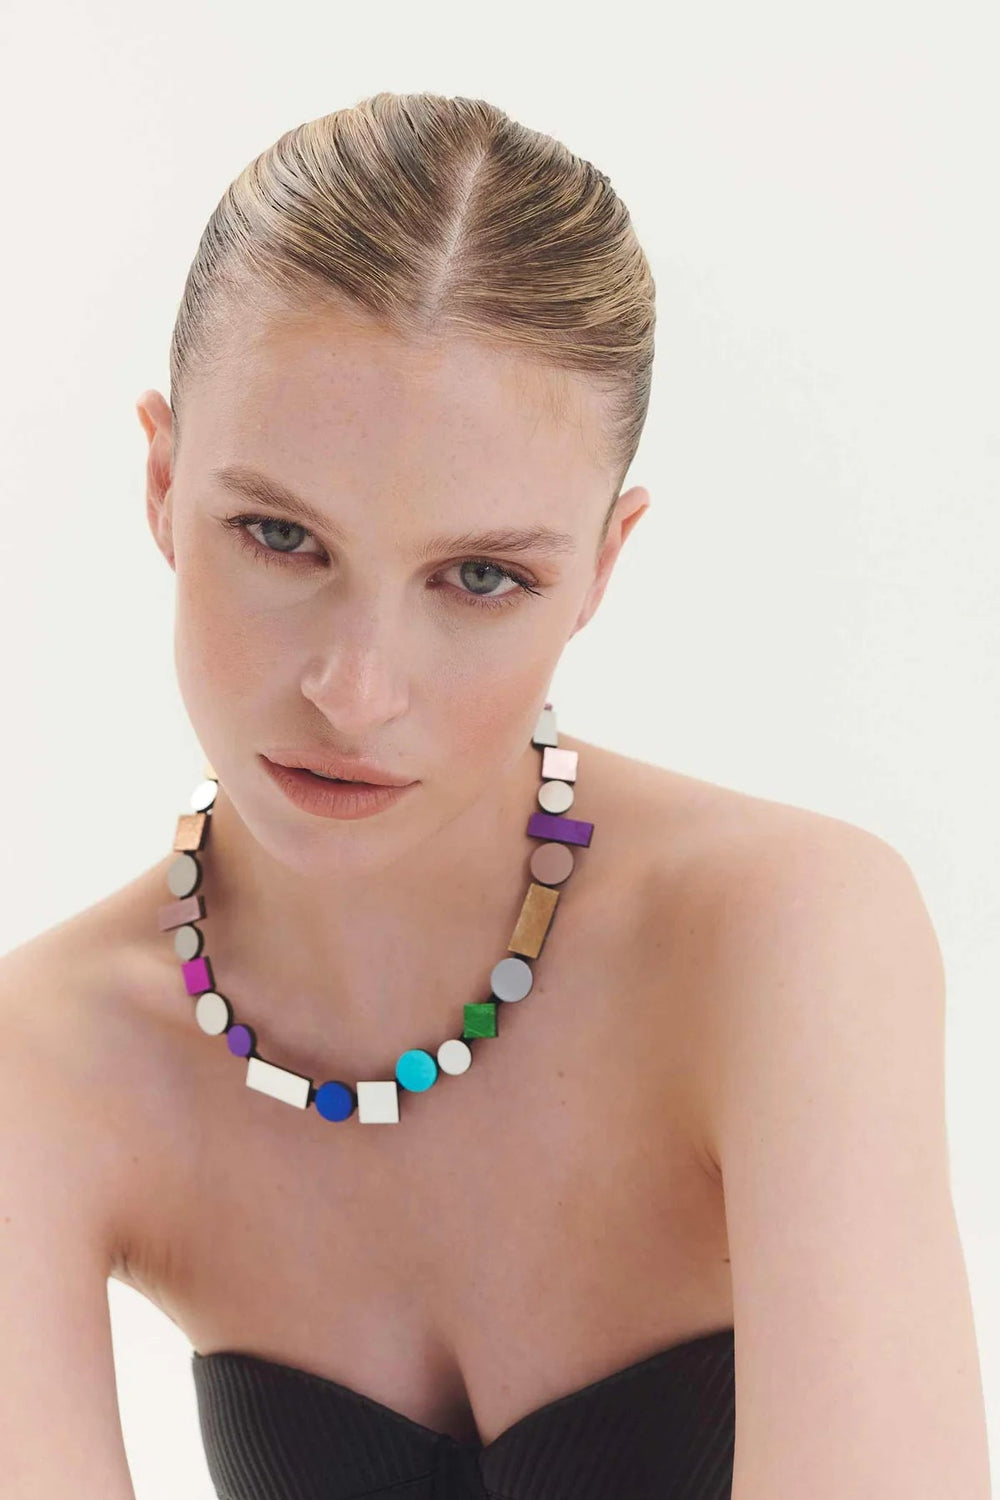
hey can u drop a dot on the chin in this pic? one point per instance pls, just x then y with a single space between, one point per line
314 846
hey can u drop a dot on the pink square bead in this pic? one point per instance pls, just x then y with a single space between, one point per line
559 765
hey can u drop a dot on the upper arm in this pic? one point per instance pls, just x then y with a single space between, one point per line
857 1372
60 1431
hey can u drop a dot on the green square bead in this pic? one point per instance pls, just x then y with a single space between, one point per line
481 1019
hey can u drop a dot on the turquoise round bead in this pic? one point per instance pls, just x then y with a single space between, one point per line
416 1070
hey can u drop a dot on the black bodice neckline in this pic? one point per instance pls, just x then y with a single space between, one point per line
638 1368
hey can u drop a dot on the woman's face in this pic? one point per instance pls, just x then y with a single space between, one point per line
377 626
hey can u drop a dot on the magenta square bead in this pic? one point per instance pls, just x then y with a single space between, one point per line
197 976
543 825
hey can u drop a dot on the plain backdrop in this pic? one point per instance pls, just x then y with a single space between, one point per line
808 613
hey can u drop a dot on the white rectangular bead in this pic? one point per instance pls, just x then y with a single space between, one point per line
378 1103
559 765
292 1088
545 730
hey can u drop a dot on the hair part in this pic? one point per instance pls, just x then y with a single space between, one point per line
434 216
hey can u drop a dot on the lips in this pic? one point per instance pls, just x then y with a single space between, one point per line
336 768
327 797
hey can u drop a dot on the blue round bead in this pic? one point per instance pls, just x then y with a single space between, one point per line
334 1101
416 1070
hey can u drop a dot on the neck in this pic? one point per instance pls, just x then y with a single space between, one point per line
409 942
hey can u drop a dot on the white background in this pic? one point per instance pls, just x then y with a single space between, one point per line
808 613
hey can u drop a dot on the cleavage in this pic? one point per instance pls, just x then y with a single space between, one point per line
467 1435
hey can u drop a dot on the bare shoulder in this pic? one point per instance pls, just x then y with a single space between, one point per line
708 820
74 1038
817 981
57 1119
735 884
63 1139
705 847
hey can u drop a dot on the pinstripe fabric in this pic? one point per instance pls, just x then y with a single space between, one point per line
660 1429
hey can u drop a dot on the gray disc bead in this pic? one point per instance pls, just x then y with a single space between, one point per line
555 796
511 979
212 1013
184 875
187 941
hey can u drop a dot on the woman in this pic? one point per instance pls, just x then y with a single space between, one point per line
701 1169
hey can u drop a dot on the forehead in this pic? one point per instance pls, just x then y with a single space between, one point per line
334 384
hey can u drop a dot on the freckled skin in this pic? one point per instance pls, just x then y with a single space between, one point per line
360 648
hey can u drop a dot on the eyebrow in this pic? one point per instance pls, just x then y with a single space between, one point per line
252 484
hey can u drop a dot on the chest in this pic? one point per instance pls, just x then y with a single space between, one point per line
525 1227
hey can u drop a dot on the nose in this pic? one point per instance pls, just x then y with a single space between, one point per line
359 679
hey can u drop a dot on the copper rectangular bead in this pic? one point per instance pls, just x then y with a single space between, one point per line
534 919
191 831
176 913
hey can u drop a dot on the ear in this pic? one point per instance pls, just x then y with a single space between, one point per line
157 421
628 508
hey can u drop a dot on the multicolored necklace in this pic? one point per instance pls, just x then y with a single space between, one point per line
377 1100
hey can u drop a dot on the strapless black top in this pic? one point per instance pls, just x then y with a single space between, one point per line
660 1429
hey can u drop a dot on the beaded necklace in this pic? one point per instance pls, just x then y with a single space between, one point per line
377 1100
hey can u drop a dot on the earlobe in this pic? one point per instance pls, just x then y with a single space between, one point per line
158 511
158 515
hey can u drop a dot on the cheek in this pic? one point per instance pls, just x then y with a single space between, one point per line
485 669
224 654
485 706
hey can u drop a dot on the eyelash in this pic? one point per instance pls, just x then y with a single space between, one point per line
268 555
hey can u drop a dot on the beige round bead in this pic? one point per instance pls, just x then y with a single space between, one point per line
555 796
454 1056
183 875
212 1013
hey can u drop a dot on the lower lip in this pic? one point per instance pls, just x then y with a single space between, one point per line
333 799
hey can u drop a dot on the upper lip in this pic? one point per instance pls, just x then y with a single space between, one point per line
338 765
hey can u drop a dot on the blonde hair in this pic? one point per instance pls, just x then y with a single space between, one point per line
434 215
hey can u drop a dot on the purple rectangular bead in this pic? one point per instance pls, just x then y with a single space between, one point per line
197 976
543 825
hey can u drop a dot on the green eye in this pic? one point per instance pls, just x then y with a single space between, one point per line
261 552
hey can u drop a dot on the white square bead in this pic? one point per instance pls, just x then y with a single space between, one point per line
378 1103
